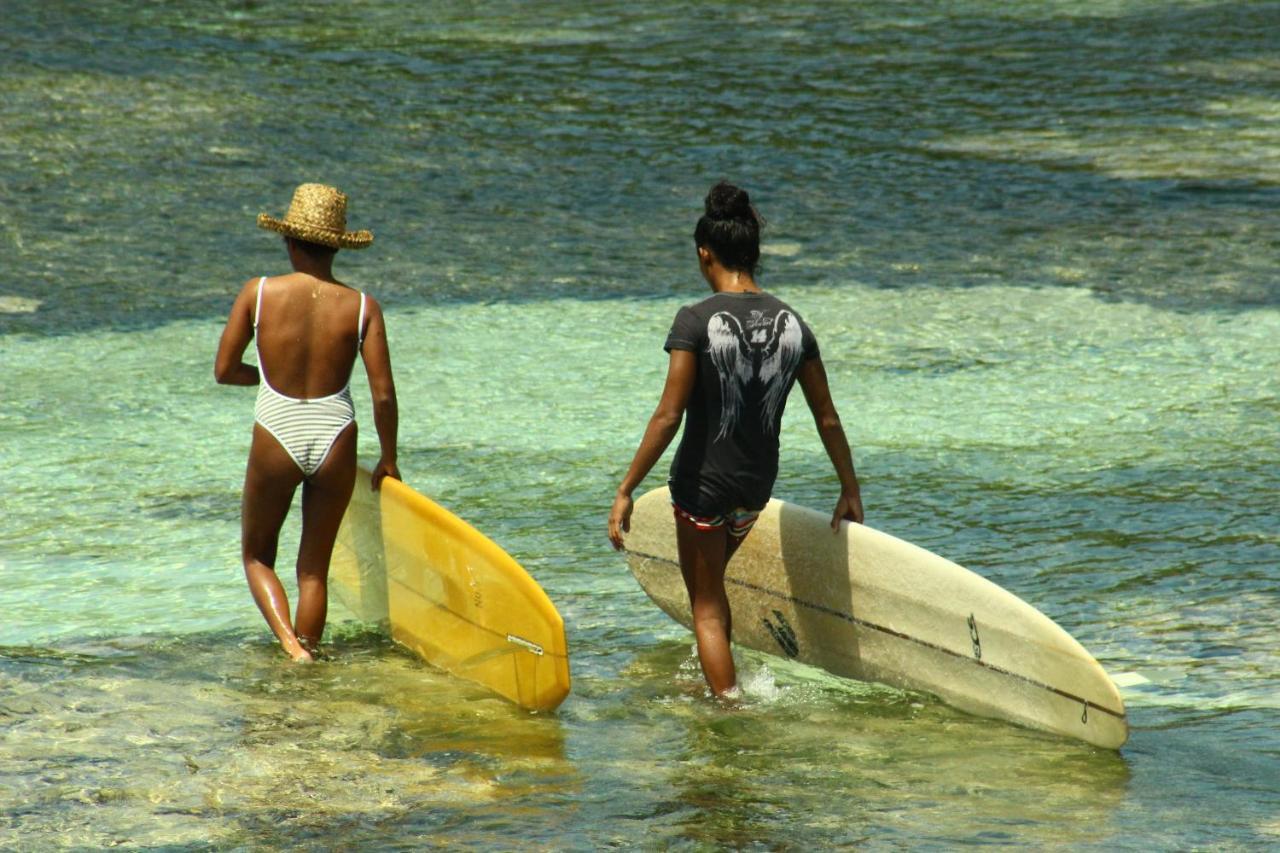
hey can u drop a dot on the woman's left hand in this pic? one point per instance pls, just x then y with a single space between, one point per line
848 508
620 519
383 470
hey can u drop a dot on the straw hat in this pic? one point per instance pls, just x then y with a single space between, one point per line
317 214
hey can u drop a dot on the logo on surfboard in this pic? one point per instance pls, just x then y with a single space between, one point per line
782 634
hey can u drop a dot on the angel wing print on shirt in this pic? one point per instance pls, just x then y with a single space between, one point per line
767 351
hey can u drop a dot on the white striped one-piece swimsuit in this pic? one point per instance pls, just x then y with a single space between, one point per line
305 428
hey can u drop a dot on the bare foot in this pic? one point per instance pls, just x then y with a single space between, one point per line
312 647
731 698
297 652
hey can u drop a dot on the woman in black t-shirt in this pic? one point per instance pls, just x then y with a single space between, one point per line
734 358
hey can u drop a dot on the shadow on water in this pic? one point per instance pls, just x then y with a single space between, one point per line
140 138
216 739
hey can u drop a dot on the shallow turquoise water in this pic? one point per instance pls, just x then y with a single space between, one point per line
1036 242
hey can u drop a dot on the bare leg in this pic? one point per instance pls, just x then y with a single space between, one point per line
269 484
702 562
324 501
734 542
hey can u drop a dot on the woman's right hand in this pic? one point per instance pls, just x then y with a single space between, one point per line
620 519
384 469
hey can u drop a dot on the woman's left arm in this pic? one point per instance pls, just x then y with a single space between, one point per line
663 426
817 393
229 367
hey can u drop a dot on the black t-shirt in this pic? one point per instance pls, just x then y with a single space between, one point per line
750 347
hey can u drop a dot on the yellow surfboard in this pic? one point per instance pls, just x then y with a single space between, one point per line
450 594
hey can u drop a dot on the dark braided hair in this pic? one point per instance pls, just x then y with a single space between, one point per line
730 228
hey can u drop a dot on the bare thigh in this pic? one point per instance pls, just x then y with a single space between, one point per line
325 496
270 480
703 555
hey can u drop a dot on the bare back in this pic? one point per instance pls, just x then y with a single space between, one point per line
309 328
308 334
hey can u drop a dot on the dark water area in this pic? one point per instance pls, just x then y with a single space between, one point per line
515 152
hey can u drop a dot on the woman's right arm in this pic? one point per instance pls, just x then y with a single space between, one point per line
817 393
682 371
229 367
382 387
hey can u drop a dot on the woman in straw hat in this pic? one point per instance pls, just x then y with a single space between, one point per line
309 328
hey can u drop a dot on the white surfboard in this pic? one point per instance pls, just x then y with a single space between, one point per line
865 605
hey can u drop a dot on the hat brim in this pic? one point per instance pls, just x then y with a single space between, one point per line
312 234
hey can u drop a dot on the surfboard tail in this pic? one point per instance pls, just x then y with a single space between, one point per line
451 595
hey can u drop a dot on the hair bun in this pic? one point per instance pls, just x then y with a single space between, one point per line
730 228
725 201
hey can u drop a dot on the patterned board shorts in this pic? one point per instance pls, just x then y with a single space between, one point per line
738 521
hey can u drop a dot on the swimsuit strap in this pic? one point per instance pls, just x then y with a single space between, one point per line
257 341
257 311
360 326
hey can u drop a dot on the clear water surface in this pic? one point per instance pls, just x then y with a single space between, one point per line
1037 242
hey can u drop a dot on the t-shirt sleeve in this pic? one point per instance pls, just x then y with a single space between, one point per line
808 342
686 332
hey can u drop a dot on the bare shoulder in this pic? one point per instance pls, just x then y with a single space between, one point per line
372 307
272 281
245 297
